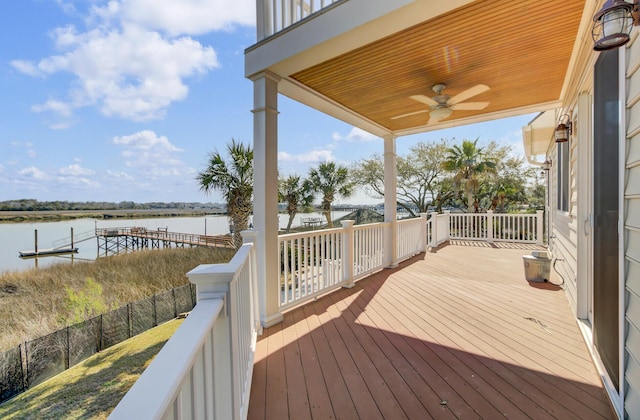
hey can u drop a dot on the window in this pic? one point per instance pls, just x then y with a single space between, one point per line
562 202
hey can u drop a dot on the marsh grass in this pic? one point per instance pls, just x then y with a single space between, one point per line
34 303
91 389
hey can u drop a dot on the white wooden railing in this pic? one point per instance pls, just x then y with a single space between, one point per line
412 237
316 262
310 264
276 15
205 369
489 227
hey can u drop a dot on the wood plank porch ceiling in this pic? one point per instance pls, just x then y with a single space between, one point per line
520 49
455 334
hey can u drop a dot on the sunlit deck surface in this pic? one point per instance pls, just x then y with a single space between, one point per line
458 333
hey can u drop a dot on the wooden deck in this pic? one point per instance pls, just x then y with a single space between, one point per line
458 333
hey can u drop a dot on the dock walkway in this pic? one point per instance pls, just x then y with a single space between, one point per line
116 240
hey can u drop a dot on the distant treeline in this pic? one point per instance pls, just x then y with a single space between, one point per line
35 205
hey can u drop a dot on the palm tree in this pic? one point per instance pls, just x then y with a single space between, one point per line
332 181
234 179
297 193
467 161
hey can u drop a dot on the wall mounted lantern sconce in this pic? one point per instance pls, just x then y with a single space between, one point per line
563 130
612 24
546 165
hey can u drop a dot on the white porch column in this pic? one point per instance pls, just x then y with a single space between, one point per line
390 201
265 193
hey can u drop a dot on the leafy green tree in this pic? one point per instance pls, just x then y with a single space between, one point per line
421 179
467 162
234 180
505 187
332 181
297 193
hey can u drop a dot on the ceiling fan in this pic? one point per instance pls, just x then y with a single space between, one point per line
442 105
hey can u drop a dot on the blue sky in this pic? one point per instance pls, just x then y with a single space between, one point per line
123 99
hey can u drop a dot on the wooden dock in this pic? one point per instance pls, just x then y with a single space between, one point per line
117 240
47 252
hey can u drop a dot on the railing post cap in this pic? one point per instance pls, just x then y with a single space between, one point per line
347 223
210 274
489 211
249 236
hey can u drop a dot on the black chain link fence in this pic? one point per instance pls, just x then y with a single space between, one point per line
37 360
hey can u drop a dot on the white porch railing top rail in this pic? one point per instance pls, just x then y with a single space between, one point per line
275 15
205 369
155 392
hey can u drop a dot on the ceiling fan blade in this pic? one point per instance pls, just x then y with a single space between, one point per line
469 93
409 114
425 100
470 106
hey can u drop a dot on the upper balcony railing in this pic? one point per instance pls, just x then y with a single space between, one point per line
275 15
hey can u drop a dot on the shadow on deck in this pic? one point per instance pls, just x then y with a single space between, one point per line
455 333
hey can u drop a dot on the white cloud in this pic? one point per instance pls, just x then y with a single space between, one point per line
151 155
355 135
26 67
309 157
126 68
27 146
33 173
192 17
119 175
76 170
60 108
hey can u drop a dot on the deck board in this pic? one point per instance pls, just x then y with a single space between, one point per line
451 334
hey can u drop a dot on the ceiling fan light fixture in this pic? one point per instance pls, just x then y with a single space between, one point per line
440 113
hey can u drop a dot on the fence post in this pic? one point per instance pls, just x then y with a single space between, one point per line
23 365
67 359
130 319
539 227
447 225
490 226
434 231
175 304
347 253
155 312
251 237
424 240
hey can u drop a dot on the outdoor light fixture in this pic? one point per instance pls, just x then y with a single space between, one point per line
546 165
563 130
612 24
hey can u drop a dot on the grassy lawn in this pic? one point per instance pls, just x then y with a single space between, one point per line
94 387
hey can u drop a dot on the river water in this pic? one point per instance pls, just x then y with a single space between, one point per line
16 237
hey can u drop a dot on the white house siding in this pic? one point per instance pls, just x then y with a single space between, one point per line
632 230
564 241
